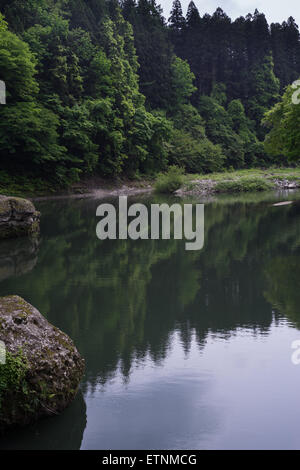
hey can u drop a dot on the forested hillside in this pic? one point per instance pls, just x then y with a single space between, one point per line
99 87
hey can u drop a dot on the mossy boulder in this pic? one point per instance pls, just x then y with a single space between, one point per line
18 218
43 368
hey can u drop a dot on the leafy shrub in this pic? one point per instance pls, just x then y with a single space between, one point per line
170 181
195 155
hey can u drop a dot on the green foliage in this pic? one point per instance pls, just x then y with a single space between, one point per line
170 181
264 92
13 376
87 114
17 68
119 142
151 131
195 156
219 130
280 174
28 135
20 15
232 130
3 23
28 130
95 87
77 136
283 120
218 93
182 82
28 184
190 147
245 128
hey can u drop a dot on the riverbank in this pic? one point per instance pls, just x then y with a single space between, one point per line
231 182
86 187
241 181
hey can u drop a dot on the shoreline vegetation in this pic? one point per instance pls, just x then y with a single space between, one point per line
174 181
241 181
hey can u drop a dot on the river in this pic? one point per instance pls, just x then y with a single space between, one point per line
183 349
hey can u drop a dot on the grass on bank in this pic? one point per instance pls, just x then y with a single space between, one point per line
235 181
244 184
289 174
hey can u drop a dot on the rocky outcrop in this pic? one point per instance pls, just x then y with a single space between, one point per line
18 217
42 370
287 184
197 187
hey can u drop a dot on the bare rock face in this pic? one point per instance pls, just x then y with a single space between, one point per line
18 217
42 370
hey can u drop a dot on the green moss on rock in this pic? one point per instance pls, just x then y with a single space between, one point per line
43 367
18 218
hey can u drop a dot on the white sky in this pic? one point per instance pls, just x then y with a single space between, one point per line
275 10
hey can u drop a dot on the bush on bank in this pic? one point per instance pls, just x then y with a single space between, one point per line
170 181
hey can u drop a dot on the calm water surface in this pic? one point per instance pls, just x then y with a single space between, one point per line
183 349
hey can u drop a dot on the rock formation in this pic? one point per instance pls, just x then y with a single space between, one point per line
42 370
18 217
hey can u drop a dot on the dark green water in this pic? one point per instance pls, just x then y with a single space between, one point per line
183 349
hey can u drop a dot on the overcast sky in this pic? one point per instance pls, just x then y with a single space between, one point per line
275 10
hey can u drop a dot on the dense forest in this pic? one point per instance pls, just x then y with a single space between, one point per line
109 88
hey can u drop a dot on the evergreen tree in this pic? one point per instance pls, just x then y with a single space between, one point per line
258 37
286 51
154 51
192 16
193 47
176 20
264 91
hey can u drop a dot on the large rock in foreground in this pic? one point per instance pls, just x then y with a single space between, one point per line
43 368
18 218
